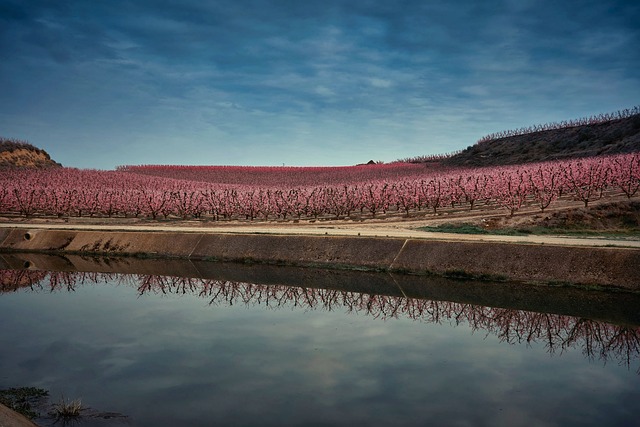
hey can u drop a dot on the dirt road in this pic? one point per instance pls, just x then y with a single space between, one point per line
377 229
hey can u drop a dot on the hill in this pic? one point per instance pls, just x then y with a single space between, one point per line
621 135
20 154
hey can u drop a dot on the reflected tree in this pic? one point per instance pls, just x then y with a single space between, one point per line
597 340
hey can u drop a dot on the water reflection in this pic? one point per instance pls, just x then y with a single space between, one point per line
597 340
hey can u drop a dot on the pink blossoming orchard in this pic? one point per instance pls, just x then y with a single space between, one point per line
269 193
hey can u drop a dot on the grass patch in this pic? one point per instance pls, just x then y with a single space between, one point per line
23 400
475 229
27 400
534 230
456 228
67 409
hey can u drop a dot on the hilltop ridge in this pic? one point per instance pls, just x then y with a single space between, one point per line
20 154
616 136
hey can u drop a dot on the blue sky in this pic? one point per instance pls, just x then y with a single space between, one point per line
102 84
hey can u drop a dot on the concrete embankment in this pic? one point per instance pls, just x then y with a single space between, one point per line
602 266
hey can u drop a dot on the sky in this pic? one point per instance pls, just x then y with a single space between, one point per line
99 84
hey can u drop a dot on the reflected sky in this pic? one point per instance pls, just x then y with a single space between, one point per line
173 358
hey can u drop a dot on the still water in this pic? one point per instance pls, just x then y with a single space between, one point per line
178 351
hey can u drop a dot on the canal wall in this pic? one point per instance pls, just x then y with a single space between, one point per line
611 267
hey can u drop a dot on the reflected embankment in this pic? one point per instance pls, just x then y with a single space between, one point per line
603 326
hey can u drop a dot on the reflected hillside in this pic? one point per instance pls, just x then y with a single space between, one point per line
597 340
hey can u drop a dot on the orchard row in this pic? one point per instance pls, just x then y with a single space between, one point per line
280 176
65 192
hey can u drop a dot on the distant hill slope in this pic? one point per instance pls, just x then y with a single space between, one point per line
20 154
610 137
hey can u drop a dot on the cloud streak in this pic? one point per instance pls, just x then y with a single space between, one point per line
304 83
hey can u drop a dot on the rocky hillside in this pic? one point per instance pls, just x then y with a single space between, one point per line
20 154
611 137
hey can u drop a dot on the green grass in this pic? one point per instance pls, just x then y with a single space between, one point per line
536 230
474 229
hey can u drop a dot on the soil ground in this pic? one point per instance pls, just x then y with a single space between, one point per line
9 418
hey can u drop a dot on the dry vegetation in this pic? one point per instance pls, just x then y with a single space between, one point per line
20 154
613 137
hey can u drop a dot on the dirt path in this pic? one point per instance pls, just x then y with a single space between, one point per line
400 230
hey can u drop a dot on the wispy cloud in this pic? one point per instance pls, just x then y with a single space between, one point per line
327 82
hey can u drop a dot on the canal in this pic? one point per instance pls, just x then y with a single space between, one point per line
246 345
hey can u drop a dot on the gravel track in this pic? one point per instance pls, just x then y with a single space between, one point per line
396 230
